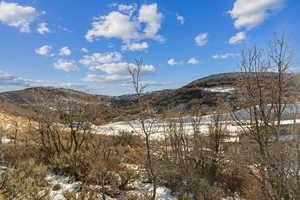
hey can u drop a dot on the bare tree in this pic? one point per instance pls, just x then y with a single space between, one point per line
61 127
145 114
265 95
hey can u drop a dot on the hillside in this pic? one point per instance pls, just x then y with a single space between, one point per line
204 93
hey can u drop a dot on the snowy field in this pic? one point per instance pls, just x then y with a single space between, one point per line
160 127
66 184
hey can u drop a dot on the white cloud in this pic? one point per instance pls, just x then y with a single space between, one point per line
115 24
84 50
201 39
180 19
172 61
249 14
65 51
149 14
99 58
155 83
7 79
15 15
238 38
135 46
149 83
122 68
124 7
226 55
106 78
44 50
66 65
11 80
110 65
128 9
193 61
43 28
127 27
116 72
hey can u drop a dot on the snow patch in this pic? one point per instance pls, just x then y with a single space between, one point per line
225 88
5 140
65 184
162 193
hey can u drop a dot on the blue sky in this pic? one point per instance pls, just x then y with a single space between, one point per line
88 45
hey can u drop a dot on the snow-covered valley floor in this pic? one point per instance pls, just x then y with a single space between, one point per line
159 128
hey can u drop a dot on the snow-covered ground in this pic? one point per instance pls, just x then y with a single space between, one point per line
225 88
2 169
66 184
231 198
160 127
4 139
162 193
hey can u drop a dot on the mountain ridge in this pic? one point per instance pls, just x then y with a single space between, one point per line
204 93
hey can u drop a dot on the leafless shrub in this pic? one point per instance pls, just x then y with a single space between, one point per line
266 98
25 182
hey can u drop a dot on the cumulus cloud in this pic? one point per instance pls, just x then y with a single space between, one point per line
109 64
44 50
121 68
114 25
65 51
249 14
15 15
126 26
180 19
226 55
11 80
238 38
149 14
193 61
106 78
100 58
172 61
43 28
149 83
66 65
7 79
116 72
201 39
135 46
128 9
